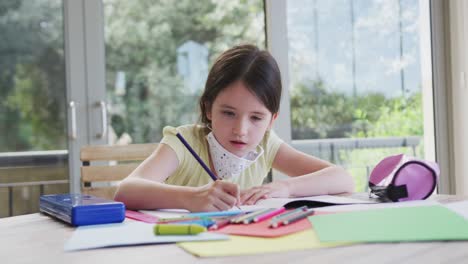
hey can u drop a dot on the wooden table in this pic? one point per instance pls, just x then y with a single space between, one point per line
37 238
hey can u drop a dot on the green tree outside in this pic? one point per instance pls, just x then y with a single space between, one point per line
319 113
32 76
142 38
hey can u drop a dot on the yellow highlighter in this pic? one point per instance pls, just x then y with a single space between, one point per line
170 229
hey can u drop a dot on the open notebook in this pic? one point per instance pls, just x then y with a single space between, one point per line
311 202
314 201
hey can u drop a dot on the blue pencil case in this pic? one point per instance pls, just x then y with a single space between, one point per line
81 209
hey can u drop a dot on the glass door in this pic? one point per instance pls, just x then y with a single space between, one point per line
53 97
33 105
360 81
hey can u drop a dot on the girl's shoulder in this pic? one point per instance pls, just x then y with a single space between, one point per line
271 143
189 132
184 129
271 137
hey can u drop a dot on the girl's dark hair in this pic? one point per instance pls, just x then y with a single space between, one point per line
257 70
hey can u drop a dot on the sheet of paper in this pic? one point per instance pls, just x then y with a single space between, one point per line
126 233
460 208
242 245
262 229
165 213
421 223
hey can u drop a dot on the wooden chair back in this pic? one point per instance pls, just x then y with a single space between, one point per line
115 163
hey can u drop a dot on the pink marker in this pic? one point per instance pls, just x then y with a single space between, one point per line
269 214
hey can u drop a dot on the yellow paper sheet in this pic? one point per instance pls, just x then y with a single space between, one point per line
243 245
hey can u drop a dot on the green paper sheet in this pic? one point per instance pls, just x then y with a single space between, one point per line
424 223
243 245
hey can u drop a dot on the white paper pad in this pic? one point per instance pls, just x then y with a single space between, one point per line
127 233
278 202
166 213
363 207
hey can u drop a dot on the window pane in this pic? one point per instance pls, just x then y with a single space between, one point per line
356 75
158 54
33 137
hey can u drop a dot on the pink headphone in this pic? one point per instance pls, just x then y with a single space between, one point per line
403 178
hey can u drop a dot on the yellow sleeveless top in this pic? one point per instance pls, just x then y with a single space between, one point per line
191 173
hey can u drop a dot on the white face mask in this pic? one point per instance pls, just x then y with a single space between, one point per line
226 164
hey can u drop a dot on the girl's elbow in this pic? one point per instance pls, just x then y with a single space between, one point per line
350 186
347 180
120 193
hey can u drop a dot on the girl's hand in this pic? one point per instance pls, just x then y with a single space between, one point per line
215 196
270 190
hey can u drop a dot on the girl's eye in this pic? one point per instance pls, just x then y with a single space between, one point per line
256 118
228 113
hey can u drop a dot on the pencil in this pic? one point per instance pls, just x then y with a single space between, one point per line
270 214
289 213
206 222
278 220
195 155
219 224
200 161
240 219
246 219
175 220
217 213
298 217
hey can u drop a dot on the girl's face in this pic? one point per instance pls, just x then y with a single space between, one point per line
239 119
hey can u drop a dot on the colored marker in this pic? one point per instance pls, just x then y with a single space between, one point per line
215 214
195 155
206 222
220 224
269 214
168 229
296 218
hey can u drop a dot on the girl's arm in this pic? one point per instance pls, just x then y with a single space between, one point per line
308 176
144 188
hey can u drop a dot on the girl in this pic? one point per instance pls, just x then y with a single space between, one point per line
238 107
